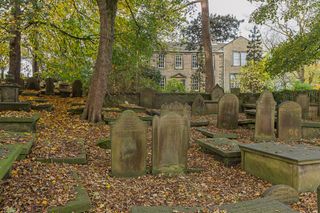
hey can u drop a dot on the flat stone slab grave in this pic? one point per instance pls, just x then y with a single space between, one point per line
78 159
15 106
265 205
8 154
295 165
205 132
163 209
225 150
19 124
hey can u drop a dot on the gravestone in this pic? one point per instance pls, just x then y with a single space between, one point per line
304 101
170 143
289 121
33 84
198 106
179 108
265 115
9 92
147 97
49 86
64 90
77 88
228 112
128 146
217 93
282 193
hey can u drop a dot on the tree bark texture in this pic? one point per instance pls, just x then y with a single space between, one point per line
103 65
207 46
14 43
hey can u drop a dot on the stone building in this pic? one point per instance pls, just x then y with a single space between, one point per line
181 64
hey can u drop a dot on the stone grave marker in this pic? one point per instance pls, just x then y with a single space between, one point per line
217 93
289 121
265 115
282 193
228 113
179 108
147 97
198 106
77 88
33 84
128 146
304 101
9 92
50 86
170 143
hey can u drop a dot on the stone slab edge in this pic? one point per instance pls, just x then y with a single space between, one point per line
6 164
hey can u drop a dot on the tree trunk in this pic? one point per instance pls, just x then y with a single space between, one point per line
207 45
14 44
301 74
98 82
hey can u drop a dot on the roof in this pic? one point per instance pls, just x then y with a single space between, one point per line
216 47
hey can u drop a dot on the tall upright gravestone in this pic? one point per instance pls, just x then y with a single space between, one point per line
304 101
265 116
77 88
147 97
217 93
228 112
129 146
198 106
289 121
49 86
170 143
179 108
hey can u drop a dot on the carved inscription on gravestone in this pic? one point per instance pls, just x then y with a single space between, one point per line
228 113
128 147
289 121
265 117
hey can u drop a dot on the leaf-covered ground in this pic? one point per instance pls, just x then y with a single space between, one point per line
35 186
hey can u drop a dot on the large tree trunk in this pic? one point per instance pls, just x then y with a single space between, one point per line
98 84
14 44
207 45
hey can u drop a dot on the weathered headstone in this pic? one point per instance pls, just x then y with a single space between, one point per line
282 193
228 113
289 121
179 108
9 92
198 106
49 86
170 143
77 88
64 90
217 93
265 115
147 97
128 146
304 101
33 84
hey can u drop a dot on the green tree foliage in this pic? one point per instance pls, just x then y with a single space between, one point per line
254 45
174 85
254 78
222 28
296 53
298 86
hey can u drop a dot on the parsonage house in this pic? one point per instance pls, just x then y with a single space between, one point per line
182 64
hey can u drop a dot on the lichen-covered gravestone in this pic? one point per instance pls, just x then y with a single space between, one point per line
77 88
33 83
170 143
282 193
304 101
198 106
129 146
228 112
217 93
147 96
289 121
264 127
49 86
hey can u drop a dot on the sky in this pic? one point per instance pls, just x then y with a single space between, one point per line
239 8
